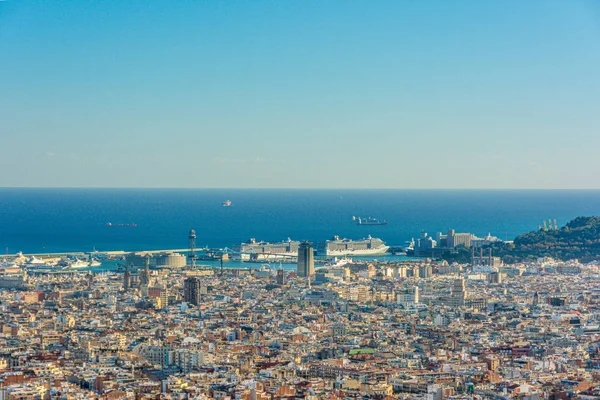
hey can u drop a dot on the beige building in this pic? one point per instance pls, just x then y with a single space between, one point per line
459 293
454 239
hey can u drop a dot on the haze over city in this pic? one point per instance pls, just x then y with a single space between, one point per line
304 94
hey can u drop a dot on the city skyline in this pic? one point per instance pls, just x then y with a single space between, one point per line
398 95
274 200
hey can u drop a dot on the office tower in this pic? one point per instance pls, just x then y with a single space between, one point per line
496 277
145 276
306 260
281 277
192 291
126 279
459 293
90 279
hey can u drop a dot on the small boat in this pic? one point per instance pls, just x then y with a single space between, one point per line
227 203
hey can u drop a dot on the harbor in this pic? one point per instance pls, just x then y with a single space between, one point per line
253 253
117 259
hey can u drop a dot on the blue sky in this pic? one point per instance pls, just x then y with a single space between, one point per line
323 94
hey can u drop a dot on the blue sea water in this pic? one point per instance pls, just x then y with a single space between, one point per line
58 220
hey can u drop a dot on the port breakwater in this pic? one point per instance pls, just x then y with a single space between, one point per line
111 253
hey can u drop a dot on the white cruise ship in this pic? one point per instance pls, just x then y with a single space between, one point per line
36 263
348 247
286 248
95 263
77 264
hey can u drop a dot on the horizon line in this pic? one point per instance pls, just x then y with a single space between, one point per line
290 188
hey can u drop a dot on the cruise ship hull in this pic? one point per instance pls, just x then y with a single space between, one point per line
78 265
259 257
264 251
358 252
258 250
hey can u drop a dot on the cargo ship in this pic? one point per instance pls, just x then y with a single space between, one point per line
348 247
368 221
110 224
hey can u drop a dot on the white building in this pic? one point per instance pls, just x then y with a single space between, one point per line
408 297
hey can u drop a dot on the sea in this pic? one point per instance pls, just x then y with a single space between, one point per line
69 220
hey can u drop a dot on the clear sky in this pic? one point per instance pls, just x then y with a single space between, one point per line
323 94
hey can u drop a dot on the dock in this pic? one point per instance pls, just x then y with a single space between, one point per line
110 253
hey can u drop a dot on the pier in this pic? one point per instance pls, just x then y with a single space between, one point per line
111 253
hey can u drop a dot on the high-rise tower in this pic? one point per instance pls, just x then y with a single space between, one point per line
459 292
280 277
306 260
126 278
145 277
191 290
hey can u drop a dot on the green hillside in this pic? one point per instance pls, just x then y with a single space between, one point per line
580 238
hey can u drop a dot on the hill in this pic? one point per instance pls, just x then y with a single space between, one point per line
580 238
